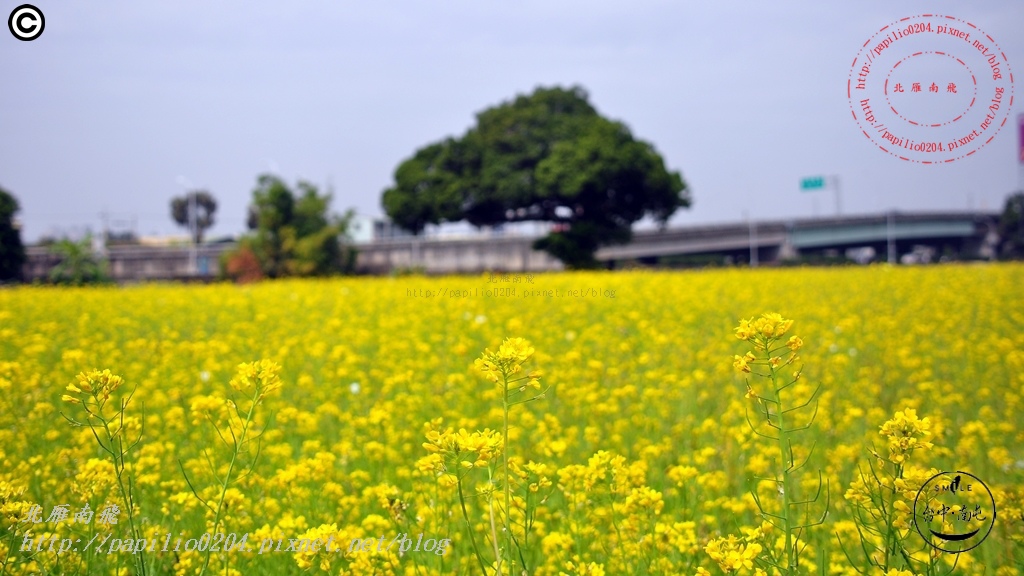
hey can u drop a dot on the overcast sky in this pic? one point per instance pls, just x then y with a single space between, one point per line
119 99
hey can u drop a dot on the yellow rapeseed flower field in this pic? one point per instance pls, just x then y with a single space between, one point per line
616 415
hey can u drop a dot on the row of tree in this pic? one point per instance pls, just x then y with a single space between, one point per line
292 235
547 156
292 232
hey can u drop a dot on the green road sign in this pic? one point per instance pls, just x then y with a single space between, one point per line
812 183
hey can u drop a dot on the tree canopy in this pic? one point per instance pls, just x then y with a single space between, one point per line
1011 226
78 265
205 206
293 233
547 157
12 251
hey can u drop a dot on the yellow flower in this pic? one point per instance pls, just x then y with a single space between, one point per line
745 331
770 326
581 569
732 554
741 363
777 323
506 361
515 349
262 376
98 384
462 450
906 433
487 368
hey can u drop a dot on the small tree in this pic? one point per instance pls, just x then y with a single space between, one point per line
204 205
78 264
1011 226
242 265
12 251
294 234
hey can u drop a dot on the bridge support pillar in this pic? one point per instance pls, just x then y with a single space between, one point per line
787 251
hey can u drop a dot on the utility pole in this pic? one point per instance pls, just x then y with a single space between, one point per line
192 256
105 217
839 195
99 245
752 231
193 227
890 233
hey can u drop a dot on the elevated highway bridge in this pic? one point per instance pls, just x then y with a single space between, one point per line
966 235
962 235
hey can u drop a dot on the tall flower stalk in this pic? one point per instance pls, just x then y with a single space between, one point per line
505 368
91 393
884 497
771 357
253 381
454 455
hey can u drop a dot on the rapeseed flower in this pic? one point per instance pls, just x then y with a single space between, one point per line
646 383
257 378
905 433
507 361
770 326
742 363
93 388
306 559
733 554
462 449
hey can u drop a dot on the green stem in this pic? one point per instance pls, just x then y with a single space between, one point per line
469 528
508 509
619 543
126 494
890 536
437 500
786 465
10 550
231 466
494 531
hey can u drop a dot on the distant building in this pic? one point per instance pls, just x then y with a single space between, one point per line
908 238
386 229
367 229
360 229
174 240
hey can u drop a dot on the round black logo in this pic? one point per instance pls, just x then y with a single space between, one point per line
954 511
26 22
